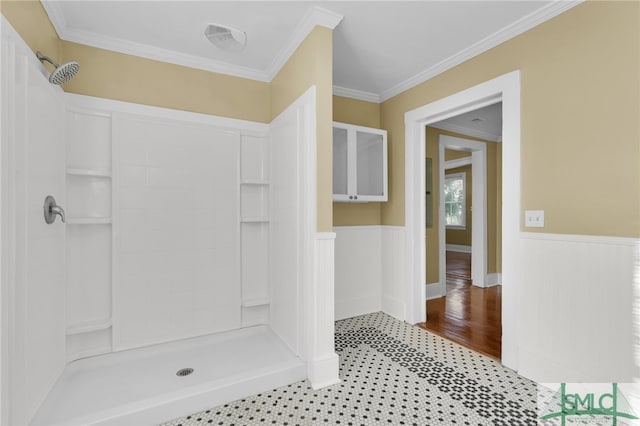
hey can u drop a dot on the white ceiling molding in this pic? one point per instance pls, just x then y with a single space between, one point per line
143 50
356 94
467 131
315 16
510 31
56 16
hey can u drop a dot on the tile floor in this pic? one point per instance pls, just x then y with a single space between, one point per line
392 373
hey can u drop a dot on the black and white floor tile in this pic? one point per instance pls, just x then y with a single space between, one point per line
396 374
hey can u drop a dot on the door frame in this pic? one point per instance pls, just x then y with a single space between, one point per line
478 218
505 88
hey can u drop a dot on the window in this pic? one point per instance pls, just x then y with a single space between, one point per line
455 200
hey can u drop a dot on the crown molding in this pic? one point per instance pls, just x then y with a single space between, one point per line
467 131
510 31
356 94
56 16
314 16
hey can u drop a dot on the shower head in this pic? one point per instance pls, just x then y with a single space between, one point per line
62 73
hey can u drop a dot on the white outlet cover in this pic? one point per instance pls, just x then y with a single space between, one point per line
534 218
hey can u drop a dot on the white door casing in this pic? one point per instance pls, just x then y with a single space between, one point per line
478 215
505 88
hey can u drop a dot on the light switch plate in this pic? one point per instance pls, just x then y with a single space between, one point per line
534 218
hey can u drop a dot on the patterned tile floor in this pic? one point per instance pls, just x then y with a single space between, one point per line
392 373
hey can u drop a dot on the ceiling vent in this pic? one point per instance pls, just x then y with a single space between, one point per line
226 38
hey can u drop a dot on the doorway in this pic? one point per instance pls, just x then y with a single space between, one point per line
466 233
505 88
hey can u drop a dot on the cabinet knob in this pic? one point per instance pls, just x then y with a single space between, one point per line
351 197
355 197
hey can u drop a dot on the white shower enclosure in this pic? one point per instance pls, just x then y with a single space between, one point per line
188 239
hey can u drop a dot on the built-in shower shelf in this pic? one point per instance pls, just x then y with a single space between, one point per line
255 302
85 327
89 172
254 219
254 182
88 221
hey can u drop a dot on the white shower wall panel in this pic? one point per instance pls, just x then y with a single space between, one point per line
176 230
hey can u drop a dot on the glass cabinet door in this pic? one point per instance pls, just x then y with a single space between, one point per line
340 161
370 164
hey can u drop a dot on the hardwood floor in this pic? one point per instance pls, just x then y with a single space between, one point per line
468 315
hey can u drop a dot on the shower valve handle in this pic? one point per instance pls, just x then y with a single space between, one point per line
51 209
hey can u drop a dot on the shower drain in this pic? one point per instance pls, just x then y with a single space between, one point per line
184 372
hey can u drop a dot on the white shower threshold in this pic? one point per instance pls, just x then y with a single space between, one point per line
140 386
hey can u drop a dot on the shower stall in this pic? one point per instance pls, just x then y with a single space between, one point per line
187 271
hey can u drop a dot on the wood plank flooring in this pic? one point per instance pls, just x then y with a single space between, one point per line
468 315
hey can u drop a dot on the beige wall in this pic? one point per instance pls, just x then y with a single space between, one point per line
580 87
112 75
312 64
494 203
360 113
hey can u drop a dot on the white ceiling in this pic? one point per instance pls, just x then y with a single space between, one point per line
483 123
381 48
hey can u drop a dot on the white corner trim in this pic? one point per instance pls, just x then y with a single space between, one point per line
459 248
56 16
434 291
524 24
468 131
356 94
315 16
458 162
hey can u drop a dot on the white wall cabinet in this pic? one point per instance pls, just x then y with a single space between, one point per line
359 163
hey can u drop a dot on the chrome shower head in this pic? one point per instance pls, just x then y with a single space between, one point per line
62 73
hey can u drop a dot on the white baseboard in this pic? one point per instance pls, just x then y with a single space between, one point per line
458 248
349 308
434 291
393 307
494 279
322 372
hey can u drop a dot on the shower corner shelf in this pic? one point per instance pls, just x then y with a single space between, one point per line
255 302
254 182
88 326
89 172
89 221
254 219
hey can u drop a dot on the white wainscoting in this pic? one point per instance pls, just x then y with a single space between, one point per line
393 271
576 316
358 281
369 271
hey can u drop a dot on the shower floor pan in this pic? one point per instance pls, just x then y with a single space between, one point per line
140 386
